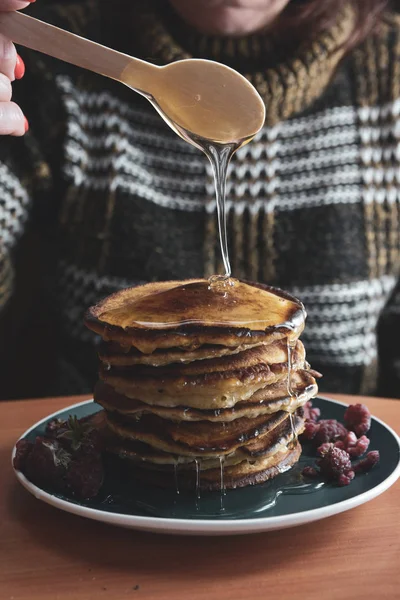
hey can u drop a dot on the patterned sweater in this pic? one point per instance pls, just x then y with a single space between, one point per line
101 194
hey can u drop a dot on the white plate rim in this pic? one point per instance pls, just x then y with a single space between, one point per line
172 525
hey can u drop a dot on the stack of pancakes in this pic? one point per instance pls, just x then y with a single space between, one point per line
203 384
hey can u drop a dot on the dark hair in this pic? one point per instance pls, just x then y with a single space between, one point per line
303 17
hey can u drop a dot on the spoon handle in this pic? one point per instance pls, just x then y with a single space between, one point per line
71 48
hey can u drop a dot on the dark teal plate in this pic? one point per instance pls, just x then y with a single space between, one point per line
285 501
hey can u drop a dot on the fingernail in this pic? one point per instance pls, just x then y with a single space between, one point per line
19 68
26 123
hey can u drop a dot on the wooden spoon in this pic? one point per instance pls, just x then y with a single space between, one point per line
197 98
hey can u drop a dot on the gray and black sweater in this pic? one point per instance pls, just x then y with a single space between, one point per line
101 194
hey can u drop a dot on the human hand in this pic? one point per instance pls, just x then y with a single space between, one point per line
12 119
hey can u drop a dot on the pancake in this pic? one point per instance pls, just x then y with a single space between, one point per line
283 433
175 386
266 401
217 390
199 438
114 354
189 314
262 354
234 476
246 473
277 395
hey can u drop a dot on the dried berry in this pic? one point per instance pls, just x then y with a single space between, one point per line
358 419
22 449
345 478
326 430
310 413
353 446
324 448
339 444
367 463
359 448
350 440
310 429
334 462
310 472
329 430
85 476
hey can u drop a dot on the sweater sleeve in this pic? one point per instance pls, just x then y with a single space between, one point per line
27 177
389 320
389 347
31 178
14 212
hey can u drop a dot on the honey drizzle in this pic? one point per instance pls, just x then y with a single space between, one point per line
291 345
219 156
196 462
222 488
176 477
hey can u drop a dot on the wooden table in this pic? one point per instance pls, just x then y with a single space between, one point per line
50 555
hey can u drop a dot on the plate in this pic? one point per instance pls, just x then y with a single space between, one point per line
285 501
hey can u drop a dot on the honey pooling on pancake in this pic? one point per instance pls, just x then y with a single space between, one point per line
204 304
202 385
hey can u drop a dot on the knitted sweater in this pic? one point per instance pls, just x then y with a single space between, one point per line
117 198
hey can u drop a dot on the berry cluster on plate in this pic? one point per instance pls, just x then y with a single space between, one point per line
67 459
337 444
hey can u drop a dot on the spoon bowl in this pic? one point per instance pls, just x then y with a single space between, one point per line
199 99
208 100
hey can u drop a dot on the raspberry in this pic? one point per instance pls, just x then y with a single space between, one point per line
310 413
345 478
310 429
85 476
46 464
22 450
310 472
329 430
324 448
340 444
350 440
353 446
334 462
368 462
358 418
326 430
360 447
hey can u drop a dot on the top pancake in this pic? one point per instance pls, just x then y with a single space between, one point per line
192 313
